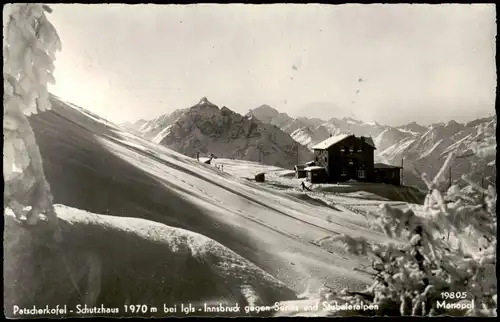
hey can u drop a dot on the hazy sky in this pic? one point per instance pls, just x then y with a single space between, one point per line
427 63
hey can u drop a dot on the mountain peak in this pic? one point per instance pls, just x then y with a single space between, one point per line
372 122
264 108
267 114
204 103
452 122
413 127
204 100
350 120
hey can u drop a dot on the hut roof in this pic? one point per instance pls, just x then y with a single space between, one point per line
314 168
323 145
330 141
385 166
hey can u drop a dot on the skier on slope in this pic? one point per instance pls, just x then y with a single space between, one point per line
304 187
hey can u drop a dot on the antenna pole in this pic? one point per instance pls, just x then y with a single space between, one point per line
482 186
297 153
402 172
449 176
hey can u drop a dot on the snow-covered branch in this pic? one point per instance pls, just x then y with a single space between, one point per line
450 248
30 44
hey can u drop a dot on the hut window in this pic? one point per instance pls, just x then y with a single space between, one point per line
360 149
342 149
351 149
361 174
326 159
343 173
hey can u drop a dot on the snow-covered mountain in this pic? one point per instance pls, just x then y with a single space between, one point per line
154 129
389 137
310 135
267 114
413 128
426 152
309 131
134 126
422 147
350 125
207 129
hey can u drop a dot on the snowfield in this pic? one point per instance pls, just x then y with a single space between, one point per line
140 210
116 261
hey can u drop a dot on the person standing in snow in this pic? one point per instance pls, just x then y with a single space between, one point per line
198 156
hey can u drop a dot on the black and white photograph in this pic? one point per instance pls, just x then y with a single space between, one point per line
249 160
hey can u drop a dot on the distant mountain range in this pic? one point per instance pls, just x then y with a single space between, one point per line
207 129
422 148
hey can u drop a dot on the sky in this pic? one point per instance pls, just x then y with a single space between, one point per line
390 63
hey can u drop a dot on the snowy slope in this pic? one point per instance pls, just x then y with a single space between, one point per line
116 261
303 136
104 170
157 128
309 137
390 137
99 168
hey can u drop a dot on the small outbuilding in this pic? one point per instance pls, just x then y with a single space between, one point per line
300 172
316 174
386 173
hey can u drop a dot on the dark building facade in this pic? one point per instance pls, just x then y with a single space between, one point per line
316 174
346 157
387 174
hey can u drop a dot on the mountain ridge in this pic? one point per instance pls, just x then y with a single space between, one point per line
205 129
420 146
